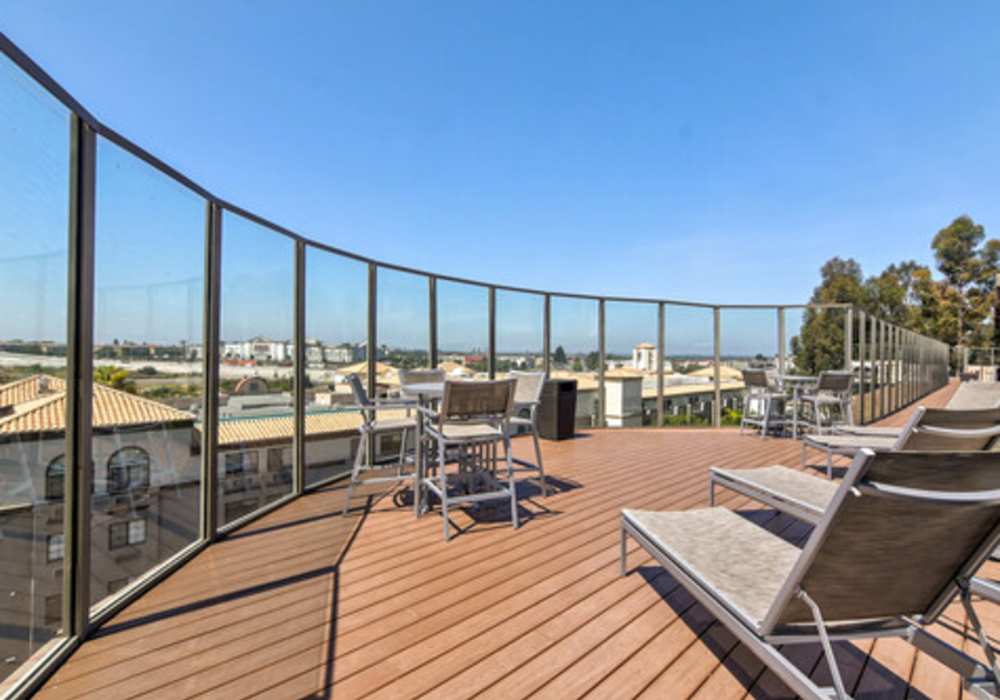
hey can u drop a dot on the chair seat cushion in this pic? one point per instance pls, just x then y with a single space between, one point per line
782 482
393 424
467 431
741 564
851 443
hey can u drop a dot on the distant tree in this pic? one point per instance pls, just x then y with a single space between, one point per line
577 364
820 343
559 356
593 361
966 266
114 377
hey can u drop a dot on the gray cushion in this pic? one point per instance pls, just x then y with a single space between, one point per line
742 564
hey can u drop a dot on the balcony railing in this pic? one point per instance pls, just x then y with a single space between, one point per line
234 333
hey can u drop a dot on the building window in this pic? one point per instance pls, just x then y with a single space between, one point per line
242 461
128 469
56 545
126 532
53 610
279 459
55 479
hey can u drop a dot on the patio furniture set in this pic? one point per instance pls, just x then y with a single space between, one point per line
452 422
779 403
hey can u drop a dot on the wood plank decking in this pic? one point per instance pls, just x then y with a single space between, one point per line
306 603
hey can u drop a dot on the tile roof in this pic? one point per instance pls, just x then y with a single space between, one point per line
38 411
244 431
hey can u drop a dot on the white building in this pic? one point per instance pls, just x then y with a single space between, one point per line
259 349
644 357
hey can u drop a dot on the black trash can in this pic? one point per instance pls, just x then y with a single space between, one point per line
557 412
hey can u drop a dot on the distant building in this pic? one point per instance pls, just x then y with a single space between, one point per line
644 357
344 354
260 350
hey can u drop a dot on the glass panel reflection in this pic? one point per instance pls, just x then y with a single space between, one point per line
689 366
336 347
34 167
147 370
575 353
256 413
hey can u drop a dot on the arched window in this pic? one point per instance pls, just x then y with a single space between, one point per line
55 479
128 469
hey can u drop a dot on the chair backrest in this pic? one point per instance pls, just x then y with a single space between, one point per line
755 378
529 386
900 532
485 401
835 381
421 376
358 389
945 430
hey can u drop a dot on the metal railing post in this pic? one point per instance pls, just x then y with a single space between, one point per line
547 335
717 375
882 395
661 349
79 378
210 371
781 340
492 333
371 380
849 339
432 321
862 368
299 439
876 379
602 402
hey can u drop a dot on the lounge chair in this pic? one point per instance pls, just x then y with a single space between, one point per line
901 538
917 434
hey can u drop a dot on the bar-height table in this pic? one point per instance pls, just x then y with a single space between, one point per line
425 393
797 383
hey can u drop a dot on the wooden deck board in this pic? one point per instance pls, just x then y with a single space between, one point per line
292 606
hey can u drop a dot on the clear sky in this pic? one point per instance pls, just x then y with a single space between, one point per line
715 152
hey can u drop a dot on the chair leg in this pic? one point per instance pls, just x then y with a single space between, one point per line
442 477
356 471
803 453
767 414
402 446
538 458
511 484
829 464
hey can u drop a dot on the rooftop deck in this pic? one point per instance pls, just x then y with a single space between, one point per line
304 602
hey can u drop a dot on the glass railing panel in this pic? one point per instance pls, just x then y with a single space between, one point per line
403 326
689 366
575 353
336 347
630 336
463 329
520 334
256 374
749 338
34 166
148 384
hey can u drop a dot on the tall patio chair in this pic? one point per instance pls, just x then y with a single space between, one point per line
901 538
371 428
471 422
760 391
848 444
528 398
833 390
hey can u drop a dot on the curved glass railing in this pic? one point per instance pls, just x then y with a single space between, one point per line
193 356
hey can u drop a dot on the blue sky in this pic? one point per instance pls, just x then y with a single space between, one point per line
693 151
